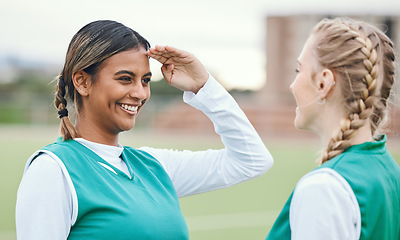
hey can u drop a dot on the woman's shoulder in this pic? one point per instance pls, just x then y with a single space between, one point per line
323 178
44 160
323 185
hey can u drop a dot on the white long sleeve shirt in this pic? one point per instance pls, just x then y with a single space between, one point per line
324 206
47 205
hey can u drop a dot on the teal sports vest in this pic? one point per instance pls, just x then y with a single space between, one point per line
113 206
374 177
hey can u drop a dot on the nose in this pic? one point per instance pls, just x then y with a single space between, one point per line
138 91
291 87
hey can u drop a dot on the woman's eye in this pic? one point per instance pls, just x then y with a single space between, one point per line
146 80
297 71
125 79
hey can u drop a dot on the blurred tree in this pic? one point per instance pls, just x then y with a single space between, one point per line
161 87
26 96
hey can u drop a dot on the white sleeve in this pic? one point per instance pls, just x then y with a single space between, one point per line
324 207
44 202
244 156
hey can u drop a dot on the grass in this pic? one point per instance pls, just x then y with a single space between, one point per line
244 211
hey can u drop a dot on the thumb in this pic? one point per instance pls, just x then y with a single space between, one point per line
166 70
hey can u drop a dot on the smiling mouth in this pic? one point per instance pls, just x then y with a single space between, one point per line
130 108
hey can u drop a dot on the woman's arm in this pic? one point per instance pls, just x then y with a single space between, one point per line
244 157
44 202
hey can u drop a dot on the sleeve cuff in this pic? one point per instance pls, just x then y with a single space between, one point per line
211 93
188 95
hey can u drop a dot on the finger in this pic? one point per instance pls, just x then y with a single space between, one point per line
170 67
165 60
160 59
169 51
151 52
168 55
166 70
159 55
176 52
154 51
159 48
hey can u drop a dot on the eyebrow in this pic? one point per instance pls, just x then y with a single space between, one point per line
298 62
132 73
147 74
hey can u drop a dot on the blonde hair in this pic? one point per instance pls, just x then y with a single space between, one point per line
362 58
88 49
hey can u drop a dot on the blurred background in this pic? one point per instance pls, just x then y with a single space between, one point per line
249 46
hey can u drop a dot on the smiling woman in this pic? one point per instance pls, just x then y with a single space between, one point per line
127 74
88 52
87 186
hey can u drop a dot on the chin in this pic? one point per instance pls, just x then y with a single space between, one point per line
297 122
305 126
297 126
127 127
301 125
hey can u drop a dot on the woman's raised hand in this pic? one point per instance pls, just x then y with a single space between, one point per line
180 69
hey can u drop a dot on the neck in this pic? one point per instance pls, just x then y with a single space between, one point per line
361 135
327 123
93 133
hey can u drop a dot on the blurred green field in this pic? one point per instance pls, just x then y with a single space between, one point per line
244 211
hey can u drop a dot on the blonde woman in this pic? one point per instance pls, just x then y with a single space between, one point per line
344 78
88 186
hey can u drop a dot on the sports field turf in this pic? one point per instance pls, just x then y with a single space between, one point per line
244 211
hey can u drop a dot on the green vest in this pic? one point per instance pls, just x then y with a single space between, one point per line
374 177
113 206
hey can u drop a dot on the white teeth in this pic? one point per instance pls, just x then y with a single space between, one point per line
129 108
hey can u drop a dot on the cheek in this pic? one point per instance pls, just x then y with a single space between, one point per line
302 87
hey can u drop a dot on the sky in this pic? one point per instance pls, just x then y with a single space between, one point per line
228 36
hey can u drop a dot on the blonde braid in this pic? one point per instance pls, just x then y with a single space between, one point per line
378 117
361 104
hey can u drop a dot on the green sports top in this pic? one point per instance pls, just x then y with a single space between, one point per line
374 177
114 206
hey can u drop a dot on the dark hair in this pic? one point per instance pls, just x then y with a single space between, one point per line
88 49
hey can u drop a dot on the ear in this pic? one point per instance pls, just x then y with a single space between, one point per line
325 83
82 82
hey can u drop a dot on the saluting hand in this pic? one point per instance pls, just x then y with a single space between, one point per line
180 69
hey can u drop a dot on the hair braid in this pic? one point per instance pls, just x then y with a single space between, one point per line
358 61
378 117
67 129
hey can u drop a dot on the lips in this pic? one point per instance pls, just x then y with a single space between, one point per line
131 109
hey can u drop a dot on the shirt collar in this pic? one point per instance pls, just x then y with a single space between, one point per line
103 150
378 145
